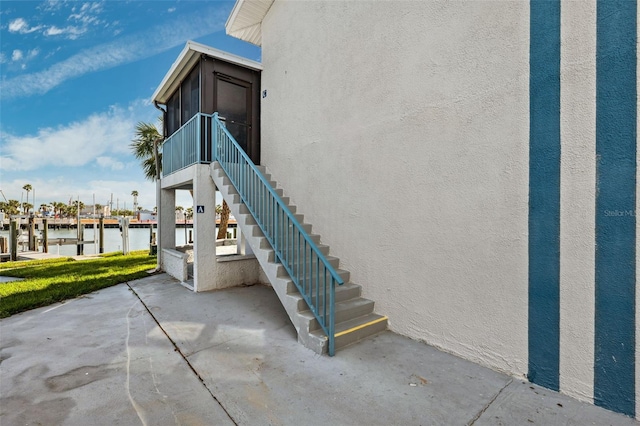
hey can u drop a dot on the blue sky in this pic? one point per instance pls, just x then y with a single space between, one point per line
75 78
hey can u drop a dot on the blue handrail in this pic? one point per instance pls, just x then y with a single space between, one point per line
308 268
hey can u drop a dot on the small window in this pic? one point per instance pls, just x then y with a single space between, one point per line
173 113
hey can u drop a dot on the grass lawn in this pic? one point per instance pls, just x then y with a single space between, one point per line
53 280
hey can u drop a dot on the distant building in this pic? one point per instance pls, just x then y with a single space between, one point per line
147 216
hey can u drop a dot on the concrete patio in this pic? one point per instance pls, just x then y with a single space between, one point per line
152 352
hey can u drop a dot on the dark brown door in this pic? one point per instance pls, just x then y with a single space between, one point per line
233 100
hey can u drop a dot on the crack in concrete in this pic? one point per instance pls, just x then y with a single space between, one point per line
134 404
175 346
486 407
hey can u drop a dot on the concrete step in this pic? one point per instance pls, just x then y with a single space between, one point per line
345 310
356 329
344 274
332 260
323 248
343 292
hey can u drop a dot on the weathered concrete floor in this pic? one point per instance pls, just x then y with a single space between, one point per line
103 359
97 360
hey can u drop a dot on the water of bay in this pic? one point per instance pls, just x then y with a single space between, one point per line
139 239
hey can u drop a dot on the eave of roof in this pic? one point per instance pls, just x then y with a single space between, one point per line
185 62
245 20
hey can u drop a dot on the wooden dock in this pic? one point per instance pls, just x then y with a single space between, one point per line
89 223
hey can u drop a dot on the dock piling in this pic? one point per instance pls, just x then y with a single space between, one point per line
101 233
13 239
45 235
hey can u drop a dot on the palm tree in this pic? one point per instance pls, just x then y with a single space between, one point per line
26 207
135 200
11 207
27 188
224 220
57 207
179 210
146 135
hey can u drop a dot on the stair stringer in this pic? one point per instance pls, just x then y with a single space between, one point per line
355 319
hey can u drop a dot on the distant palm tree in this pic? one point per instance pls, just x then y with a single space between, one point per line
57 207
27 188
11 207
146 135
26 207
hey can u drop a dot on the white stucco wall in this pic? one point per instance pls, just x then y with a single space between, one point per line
577 197
175 264
235 270
401 132
204 226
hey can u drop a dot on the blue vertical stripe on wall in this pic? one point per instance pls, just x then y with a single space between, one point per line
616 136
544 194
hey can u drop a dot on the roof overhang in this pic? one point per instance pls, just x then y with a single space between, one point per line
185 62
245 21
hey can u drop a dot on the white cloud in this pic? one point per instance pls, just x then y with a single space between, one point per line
20 26
71 32
100 138
122 51
53 31
171 9
87 14
109 163
3 58
17 55
21 57
17 25
51 5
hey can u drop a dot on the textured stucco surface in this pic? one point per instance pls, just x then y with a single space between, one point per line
408 153
577 197
204 226
167 223
175 264
237 270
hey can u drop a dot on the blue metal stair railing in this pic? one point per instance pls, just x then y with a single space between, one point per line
308 268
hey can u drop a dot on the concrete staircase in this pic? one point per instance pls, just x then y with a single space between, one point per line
355 318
